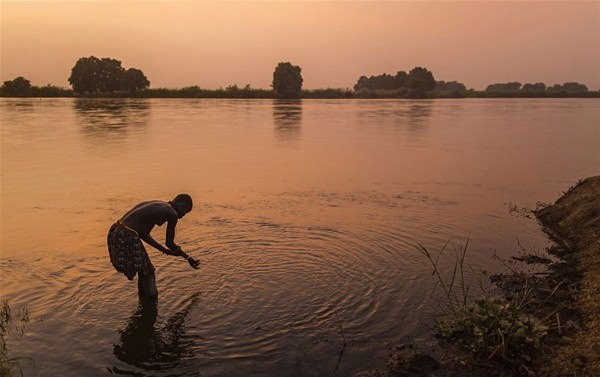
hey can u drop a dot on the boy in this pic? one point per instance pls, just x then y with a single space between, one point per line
127 253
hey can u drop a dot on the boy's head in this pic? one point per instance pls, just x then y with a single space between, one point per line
182 204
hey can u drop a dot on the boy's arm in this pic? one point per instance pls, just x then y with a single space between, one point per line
176 250
170 237
152 242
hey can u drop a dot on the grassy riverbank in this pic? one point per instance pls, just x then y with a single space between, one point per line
564 304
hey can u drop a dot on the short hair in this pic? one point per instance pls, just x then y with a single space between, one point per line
185 200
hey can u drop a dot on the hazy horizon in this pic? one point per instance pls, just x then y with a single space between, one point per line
216 44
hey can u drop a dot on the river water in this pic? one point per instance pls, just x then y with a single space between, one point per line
306 220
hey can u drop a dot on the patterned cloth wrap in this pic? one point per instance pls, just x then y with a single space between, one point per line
127 254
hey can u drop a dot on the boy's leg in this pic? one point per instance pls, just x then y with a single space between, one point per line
147 285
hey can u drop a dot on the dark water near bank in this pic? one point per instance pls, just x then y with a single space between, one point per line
304 211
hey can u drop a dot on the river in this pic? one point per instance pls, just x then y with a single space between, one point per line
307 216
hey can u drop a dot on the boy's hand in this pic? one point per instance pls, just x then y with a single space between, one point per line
194 263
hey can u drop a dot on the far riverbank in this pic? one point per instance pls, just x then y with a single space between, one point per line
232 92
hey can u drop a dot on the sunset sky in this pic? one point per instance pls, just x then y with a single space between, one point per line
215 44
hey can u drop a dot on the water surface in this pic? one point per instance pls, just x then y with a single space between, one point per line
305 212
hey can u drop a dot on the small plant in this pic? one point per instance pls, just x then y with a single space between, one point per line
8 365
492 328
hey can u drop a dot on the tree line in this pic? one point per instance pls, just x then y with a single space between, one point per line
420 83
415 84
21 87
105 77
516 89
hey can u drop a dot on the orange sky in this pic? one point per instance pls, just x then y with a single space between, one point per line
213 44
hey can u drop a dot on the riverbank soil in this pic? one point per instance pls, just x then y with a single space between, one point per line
574 223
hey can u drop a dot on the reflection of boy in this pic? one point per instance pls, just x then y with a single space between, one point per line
127 253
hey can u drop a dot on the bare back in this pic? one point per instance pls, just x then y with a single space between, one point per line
144 216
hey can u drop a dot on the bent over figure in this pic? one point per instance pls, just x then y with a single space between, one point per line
127 253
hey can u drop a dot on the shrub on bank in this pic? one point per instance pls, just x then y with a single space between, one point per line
492 328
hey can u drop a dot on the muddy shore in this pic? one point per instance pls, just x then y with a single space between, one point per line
573 222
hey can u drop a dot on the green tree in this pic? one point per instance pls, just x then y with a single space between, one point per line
134 79
420 81
97 75
287 80
17 87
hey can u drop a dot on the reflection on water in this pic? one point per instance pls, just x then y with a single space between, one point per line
102 117
412 116
150 346
287 115
418 114
23 105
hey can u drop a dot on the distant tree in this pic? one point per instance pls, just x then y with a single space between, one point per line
509 87
134 80
362 83
534 88
113 75
449 89
382 82
450 86
287 80
574 87
385 82
420 81
568 87
556 88
97 75
401 80
17 87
